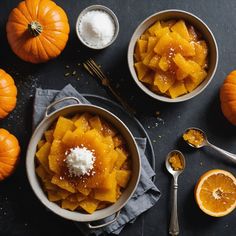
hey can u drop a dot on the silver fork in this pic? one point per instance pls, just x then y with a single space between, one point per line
91 66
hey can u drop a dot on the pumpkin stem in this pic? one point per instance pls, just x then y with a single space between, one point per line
35 28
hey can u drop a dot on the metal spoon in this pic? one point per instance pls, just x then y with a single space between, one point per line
174 225
229 155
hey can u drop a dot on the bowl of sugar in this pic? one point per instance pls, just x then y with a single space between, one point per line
97 27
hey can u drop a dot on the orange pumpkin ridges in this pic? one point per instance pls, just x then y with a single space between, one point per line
228 97
37 31
8 93
9 153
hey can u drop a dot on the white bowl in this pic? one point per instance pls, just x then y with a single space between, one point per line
100 8
31 165
207 36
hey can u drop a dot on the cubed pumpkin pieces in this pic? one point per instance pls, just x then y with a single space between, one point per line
82 123
55 163
95 123
76 197
147 59
181 29
163 81
84 191
109 181
141 69
42 154
41 143
148 78
42 173
201 53
62 183
191 83
161 32
163 44
182 45
49 135
180 75
164 63
68 138
152 41
53 196
108 195
69 205
141 47
108 130
123 177
112 157
155 28
57 147
89 205
187 66
121 158
109 142
63 124
154 62
177 89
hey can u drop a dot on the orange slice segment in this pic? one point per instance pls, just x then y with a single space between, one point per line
215 193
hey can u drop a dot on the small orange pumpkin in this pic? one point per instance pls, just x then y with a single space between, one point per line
228 97
9 153
8 93
37 30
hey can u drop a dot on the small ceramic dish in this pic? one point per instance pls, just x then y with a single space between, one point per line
70 110
200 26
97 8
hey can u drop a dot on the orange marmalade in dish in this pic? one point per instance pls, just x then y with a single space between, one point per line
176 162
194 137
171 58
83 163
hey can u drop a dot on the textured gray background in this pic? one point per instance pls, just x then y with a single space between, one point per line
22 214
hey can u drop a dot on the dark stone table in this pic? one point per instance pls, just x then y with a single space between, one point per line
21 214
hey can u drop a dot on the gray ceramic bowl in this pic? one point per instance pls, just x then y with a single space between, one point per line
100 8
117 123
200 26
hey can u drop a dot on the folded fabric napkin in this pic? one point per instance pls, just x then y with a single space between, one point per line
146 194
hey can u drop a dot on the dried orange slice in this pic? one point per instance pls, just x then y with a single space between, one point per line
215 192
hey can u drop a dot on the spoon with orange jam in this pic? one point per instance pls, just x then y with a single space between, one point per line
196 138
175 164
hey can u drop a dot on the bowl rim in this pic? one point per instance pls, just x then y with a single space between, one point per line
33 179
102 8
147 91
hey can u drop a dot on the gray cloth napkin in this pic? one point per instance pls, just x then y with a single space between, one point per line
146 194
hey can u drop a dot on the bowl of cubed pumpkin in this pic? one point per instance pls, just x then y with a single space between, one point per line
172 56
83 162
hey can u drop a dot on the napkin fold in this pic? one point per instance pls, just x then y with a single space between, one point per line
146 194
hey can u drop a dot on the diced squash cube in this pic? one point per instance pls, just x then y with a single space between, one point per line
168 23
155 89
148 78
42 154
62 183
83 190
108 195
152 41
57 148
76 197
82 122
180 75
191 83
49 135
53 196
148 57
154 28
41 143
109 181
162 32
154 62
66 204
163 81
63 193
182 45
49 186
141 46
55 163
141 69
42 173
75 117
201 53
122 177
143 55
181 29
164 63
68 138
177 89
96 123
112 156
89 205
187 66
122 156
109 141
62 126
163 44
199 76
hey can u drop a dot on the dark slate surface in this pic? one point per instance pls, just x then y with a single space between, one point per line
21 214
